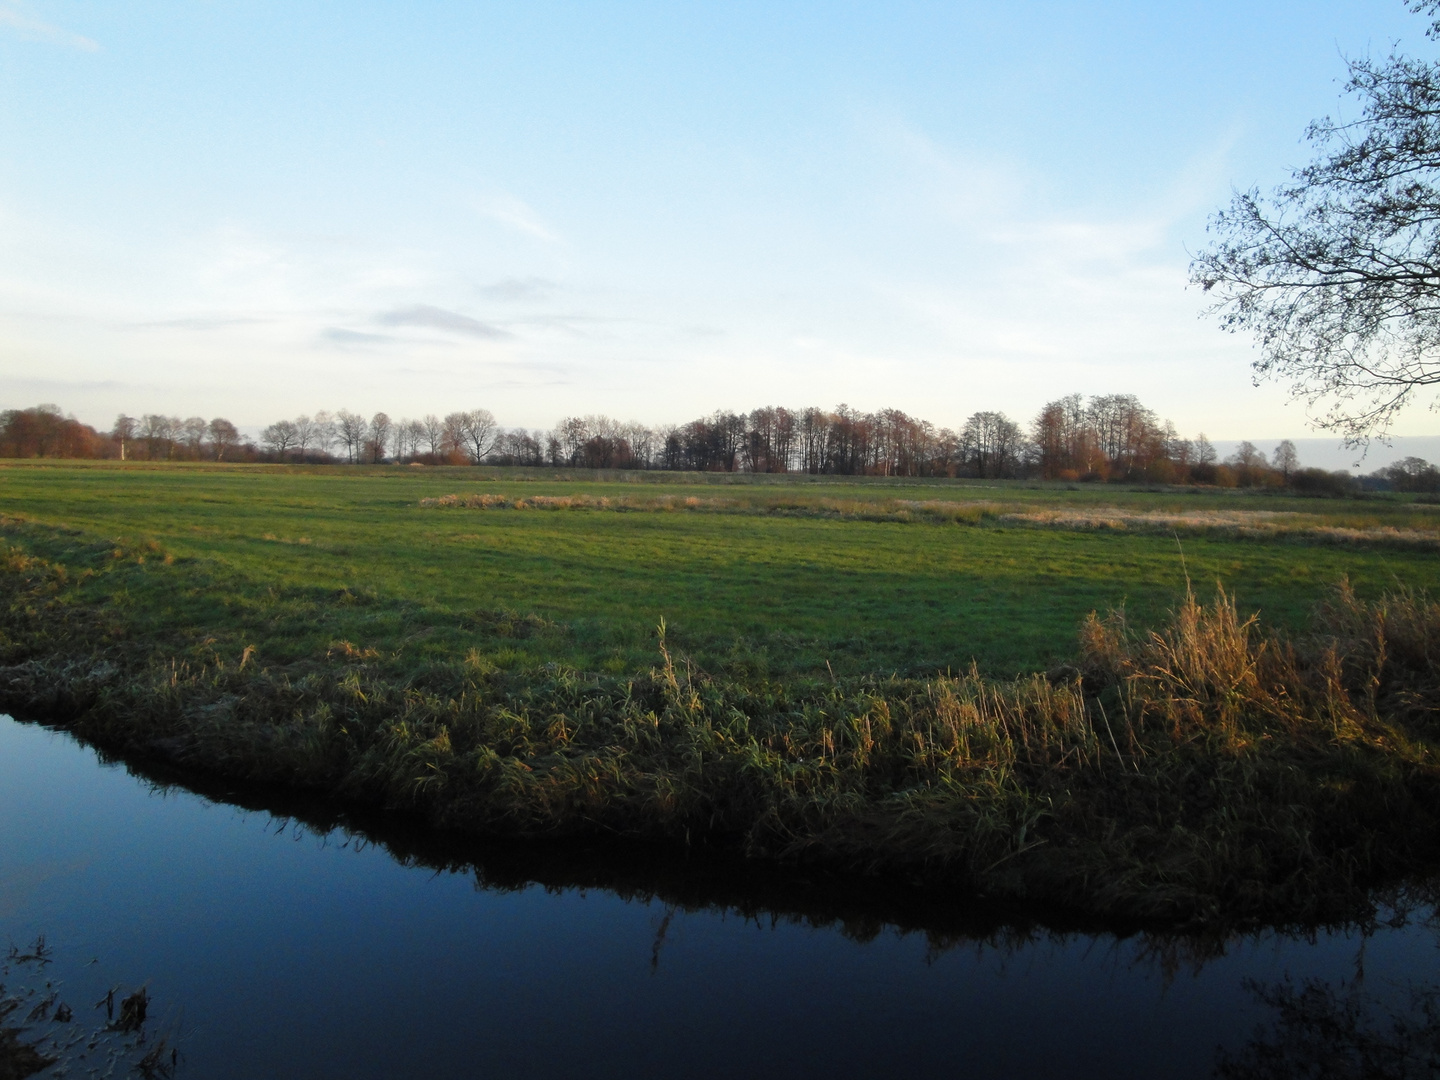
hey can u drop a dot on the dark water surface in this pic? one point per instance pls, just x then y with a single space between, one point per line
285 944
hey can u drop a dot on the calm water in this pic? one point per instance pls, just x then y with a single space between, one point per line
285 949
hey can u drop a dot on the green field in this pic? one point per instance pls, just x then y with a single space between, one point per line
768 574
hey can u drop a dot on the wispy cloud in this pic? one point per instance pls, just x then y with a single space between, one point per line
434 318
203 322
515 214
577 325
337 335
27 26
519 289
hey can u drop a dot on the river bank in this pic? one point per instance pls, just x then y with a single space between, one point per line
1209 770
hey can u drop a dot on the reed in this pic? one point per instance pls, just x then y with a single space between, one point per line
41 1033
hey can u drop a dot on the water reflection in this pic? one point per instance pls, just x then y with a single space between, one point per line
1340 1031
340 942
860 909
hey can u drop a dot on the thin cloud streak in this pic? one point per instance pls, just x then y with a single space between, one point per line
517 215
36 30
517 290
338 335
429 317
202 322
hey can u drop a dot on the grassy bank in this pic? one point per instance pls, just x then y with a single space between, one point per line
1210 768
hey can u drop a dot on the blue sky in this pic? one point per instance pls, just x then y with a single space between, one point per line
648 210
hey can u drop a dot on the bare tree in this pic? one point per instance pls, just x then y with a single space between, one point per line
1286 459
479 429
325 431
224 436
414 435
1127 434
1247 456
947 452
351 430
1337 272
454 437
158 432
1063 438
670 451
572 433
192 432
1180 451
814 440
280 438
123 432
991 443
304 436
434 434
1204 451
641 441
730 429
377 437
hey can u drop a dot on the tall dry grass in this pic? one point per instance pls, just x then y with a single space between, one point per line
1419 531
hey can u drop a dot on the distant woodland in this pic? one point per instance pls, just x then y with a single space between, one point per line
1110 437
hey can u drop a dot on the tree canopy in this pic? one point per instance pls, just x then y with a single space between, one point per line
1337 271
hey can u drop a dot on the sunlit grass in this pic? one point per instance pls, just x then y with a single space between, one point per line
751 574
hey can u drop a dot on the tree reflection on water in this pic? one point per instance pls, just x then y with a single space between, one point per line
1311 1028
1319 1030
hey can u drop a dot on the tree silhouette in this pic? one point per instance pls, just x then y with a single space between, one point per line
1337 272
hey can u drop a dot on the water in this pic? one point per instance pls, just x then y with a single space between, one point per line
284 949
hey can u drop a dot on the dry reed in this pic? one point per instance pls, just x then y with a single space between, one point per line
1252 524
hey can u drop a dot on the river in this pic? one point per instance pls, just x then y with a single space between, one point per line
281 939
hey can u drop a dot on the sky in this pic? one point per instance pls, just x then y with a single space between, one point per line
647 210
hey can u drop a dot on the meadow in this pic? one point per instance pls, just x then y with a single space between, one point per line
1022 689
750 574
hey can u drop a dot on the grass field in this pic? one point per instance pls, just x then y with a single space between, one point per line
480 648
764 575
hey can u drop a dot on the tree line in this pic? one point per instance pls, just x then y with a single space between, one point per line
1109 437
